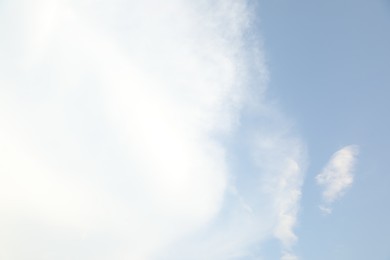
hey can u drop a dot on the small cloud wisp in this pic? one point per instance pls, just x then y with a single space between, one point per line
337 176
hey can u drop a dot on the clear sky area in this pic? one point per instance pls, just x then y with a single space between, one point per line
194 130
329 63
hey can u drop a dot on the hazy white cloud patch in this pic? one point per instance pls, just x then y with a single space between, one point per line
288 256
337 176
141 130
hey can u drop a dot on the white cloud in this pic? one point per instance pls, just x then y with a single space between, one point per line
120 122
337 176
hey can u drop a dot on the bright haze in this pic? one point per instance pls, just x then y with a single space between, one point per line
163 130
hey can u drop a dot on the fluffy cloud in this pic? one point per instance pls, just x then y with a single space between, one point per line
337 176
131 130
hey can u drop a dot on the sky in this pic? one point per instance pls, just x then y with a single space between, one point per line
178 129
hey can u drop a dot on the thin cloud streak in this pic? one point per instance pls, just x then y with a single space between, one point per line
337 176
281 159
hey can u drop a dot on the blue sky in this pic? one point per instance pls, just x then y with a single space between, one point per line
202 129
329 68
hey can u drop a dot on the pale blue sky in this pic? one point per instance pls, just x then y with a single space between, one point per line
330 68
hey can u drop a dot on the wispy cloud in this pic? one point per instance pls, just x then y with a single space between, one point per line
337 176
140 130
282 161
288 256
